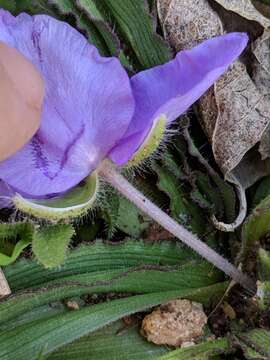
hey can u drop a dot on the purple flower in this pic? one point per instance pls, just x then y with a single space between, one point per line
92 110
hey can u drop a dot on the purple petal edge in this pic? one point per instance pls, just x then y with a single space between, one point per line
170 89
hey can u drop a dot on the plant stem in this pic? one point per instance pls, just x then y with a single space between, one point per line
113 177
4 287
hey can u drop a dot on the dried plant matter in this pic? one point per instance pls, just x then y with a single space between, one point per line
235 112
246 9
242 117
174 323
189 22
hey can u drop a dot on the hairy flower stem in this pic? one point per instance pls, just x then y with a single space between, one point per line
113 177
4 287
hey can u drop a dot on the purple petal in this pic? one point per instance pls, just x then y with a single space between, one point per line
170 89
6 194
87 108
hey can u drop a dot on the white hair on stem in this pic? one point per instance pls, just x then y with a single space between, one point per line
113 177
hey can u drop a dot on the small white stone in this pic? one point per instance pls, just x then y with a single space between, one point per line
187 344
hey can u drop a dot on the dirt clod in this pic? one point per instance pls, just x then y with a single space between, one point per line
174 323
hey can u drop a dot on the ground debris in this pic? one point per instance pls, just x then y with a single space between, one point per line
174 323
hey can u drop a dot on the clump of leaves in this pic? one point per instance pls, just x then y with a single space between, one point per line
155 272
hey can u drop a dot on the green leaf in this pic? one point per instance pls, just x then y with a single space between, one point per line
109 211
256 226
263 286
264 264
10 246
39 313
129 218
50 244
193 281
9 5
69 7
43 337
97 18
120 213
35 7
72 204
208 196
135 24
201 351
16 251
110 343
262 191
227 201
182 209
132 267
263 294
266 1
99 257
170 185
255 343
160 272
173 166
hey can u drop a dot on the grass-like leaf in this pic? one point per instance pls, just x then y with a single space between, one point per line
195 282
112 342
199 352
45 336
256 344
96 17
99 257
83 22
135 25
101 269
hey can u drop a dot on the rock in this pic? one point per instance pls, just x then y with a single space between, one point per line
174 323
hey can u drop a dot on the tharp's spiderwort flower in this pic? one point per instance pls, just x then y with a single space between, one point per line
91 109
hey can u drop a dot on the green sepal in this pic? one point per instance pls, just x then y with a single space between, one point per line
74 203
151 142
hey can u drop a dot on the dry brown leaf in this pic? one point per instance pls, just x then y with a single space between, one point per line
262 8
243 115
261 77
234 113
264 148
189 22
250 169
21 97
162 8
261 68
246 9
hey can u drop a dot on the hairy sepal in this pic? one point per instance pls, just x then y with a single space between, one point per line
73 204
151 142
